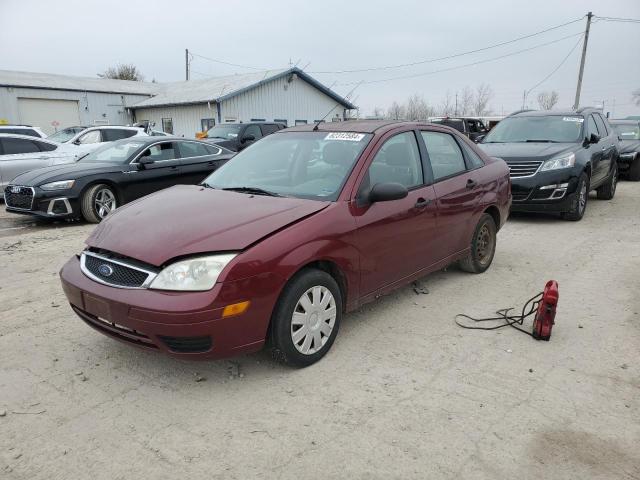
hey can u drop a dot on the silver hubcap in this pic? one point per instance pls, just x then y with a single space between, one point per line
583 197
313 320
105 202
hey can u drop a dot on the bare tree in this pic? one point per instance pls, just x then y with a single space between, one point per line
123 72
547 100
481 100
465 101
636 97
447 106
396 111
378 112
417 108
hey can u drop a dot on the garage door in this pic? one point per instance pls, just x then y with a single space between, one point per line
45 113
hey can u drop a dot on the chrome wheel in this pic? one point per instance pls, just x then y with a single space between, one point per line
484 245
582 199
313 320
105 202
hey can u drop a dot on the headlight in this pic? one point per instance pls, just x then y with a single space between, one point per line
194 274
61 185
627 156
564 161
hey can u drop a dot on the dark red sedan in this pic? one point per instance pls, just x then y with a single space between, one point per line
297 229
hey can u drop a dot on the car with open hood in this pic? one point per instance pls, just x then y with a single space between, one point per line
303 226
556 158
628 132
112 175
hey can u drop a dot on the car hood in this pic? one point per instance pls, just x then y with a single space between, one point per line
191 219
629 146
70 171
526 151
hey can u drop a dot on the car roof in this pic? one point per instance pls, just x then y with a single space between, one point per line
563 113
359 126
164 138
27 137
8 125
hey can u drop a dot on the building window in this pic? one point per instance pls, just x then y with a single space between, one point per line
301 122
318 121
167 125
207 123
230 120
258 120
282 121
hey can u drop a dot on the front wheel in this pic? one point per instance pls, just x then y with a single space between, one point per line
579 203
97 202
608 190
483 246
307 317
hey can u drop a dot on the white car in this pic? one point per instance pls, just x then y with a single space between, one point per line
23 130
22 153
86 139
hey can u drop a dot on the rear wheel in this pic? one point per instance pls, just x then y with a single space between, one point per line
97 202
483 246
306 318
579 203
608 190
634 169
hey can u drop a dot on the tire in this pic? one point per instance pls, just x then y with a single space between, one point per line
579 203
608 190
483 246
297 324
633 173
97 202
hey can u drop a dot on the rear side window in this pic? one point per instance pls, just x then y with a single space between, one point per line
444 154
192 149
13 146
213 150
113 134
267 129
473 158
91 137
604 131
253 130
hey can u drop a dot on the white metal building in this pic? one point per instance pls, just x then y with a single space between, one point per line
288 96
52 102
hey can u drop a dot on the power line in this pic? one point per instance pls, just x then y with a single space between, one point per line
403 77
421 62
228 63
618 19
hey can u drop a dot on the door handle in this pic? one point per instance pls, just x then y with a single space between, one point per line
471 183
422 202
174 167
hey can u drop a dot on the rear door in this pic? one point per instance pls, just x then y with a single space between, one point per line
395 238
457 188
162 173
608 140
20 155
198 160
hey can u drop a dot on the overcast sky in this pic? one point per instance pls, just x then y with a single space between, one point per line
81 37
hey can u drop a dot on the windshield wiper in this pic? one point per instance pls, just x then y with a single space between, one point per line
254 190
541 141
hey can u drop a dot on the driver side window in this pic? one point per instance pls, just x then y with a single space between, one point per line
592 127
160 152
397 161
90 137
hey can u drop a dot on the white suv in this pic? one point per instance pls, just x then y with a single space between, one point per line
89 138
23 130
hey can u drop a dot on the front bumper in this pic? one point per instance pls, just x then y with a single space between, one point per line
181 324
625 160
552 192
46 204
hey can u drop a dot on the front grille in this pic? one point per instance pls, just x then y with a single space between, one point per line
114 273
18 197
187 344
524 168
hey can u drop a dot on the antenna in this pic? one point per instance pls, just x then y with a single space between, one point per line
315 127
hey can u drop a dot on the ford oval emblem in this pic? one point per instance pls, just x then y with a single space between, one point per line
105 270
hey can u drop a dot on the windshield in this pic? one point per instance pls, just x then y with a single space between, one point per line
627 131
312 165
65 135
228 132
549 128
117 152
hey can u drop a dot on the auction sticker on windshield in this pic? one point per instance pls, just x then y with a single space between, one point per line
573 119
346 136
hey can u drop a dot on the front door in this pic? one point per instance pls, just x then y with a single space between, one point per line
395 238
595 149
151 177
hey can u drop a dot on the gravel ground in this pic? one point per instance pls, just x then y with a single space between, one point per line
404 393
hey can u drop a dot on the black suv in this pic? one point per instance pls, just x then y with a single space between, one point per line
629 135
236 136
556 158
473 128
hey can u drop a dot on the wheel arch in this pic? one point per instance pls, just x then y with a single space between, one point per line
495 214
110 183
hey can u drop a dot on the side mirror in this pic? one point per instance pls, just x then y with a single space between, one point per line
76 142
594 138
479 138
386 192
144 161
248 138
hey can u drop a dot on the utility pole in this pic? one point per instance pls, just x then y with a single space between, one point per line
456 114
524 98
576 104
186 62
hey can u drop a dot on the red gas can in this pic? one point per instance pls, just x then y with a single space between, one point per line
546 313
